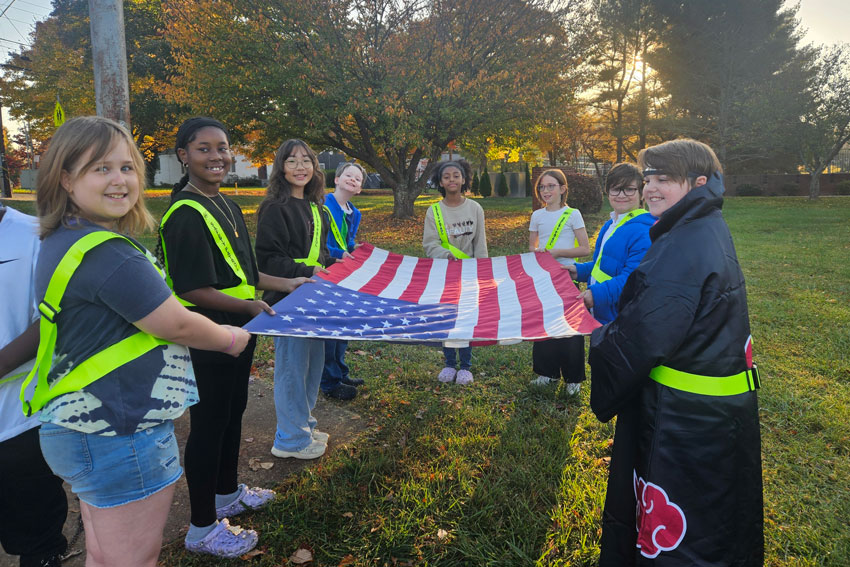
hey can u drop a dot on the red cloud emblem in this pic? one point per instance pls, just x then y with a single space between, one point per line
661 524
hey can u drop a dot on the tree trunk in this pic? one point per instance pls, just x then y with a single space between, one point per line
814 185
404 195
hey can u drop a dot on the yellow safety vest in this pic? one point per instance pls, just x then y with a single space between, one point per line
334 230
312 258
241 291
746 381
97 365
556 232
596 273
444 236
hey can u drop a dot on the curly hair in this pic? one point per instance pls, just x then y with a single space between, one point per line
460 164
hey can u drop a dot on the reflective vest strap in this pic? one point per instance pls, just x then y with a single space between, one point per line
312 258
96 366
50 307
596 273
13 377
556 232
444 235
746 381
335 230
241 291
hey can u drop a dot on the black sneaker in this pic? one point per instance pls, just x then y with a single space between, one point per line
349 381
342 392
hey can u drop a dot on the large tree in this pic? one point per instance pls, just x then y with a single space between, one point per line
735 77
388 82
825 124
58 66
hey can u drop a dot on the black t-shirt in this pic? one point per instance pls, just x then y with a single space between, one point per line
194 259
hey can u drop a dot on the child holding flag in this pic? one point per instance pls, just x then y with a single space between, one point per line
343 220
558 230
454 229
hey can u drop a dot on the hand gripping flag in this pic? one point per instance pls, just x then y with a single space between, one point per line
381 296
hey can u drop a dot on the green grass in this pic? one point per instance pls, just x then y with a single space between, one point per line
501 473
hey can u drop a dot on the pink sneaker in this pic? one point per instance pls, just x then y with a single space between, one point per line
447 374
463 377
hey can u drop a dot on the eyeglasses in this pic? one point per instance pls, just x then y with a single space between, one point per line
293 163
629 191
548 187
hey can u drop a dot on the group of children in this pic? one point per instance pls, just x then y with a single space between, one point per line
124 347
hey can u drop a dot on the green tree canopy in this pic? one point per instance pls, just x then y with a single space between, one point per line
387 82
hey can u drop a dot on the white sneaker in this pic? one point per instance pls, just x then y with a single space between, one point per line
320 436
447 374
312 451
541 381
573 389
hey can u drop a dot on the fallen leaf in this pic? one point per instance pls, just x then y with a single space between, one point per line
442 534
420 414
266 465
301 557
249 440
253 553
346 561
348 515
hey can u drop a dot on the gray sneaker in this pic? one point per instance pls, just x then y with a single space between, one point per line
248 499
225 541
312 451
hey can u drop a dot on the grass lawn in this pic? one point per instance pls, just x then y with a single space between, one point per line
502 473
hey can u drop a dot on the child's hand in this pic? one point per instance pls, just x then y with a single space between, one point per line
257 306
291 284
239 340
571 268
319 270
587 296
346 255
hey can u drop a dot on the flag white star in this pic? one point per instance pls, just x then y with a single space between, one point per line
286 318
405 321
313 301
386 324
323 311
361 311
301 309
344 311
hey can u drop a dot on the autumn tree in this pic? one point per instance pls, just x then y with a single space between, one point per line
58 66
825 124
387 81
734 75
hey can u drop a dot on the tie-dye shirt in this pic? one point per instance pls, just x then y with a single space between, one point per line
114 285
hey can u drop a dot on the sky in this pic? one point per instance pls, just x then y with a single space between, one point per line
825 21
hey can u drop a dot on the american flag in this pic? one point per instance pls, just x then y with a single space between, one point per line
381 296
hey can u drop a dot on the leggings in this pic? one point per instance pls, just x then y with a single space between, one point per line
212 449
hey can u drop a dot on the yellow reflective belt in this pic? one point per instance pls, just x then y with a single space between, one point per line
312 258
97 365
746 381
241 291
556 232
444 236
596 273
335 230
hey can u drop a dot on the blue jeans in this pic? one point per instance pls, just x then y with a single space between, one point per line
451 355
298 364
336 370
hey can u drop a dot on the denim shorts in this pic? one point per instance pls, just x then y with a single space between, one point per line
108 471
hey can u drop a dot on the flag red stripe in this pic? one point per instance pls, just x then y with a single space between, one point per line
489 311
451 289
532 308
384 276
418 281
341 270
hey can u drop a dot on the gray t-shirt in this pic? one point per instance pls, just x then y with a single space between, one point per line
114 285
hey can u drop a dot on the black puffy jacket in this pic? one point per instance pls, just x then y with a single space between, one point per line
694 461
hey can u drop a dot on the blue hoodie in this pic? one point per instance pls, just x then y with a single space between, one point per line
622 254
339 217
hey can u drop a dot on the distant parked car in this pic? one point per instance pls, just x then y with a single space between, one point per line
373 181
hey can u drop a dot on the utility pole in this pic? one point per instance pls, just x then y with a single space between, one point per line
109 51
7 188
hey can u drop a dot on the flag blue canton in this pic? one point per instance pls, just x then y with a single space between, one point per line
326 310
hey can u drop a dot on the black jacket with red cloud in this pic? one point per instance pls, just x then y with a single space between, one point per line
685 484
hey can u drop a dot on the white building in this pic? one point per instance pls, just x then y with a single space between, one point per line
169 170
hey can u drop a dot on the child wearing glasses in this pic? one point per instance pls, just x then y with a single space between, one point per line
620 245
558 230
292 241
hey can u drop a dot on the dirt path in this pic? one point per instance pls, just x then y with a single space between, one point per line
258 426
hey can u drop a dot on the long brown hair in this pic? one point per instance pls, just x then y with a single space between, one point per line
558 176
68 146
279 188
